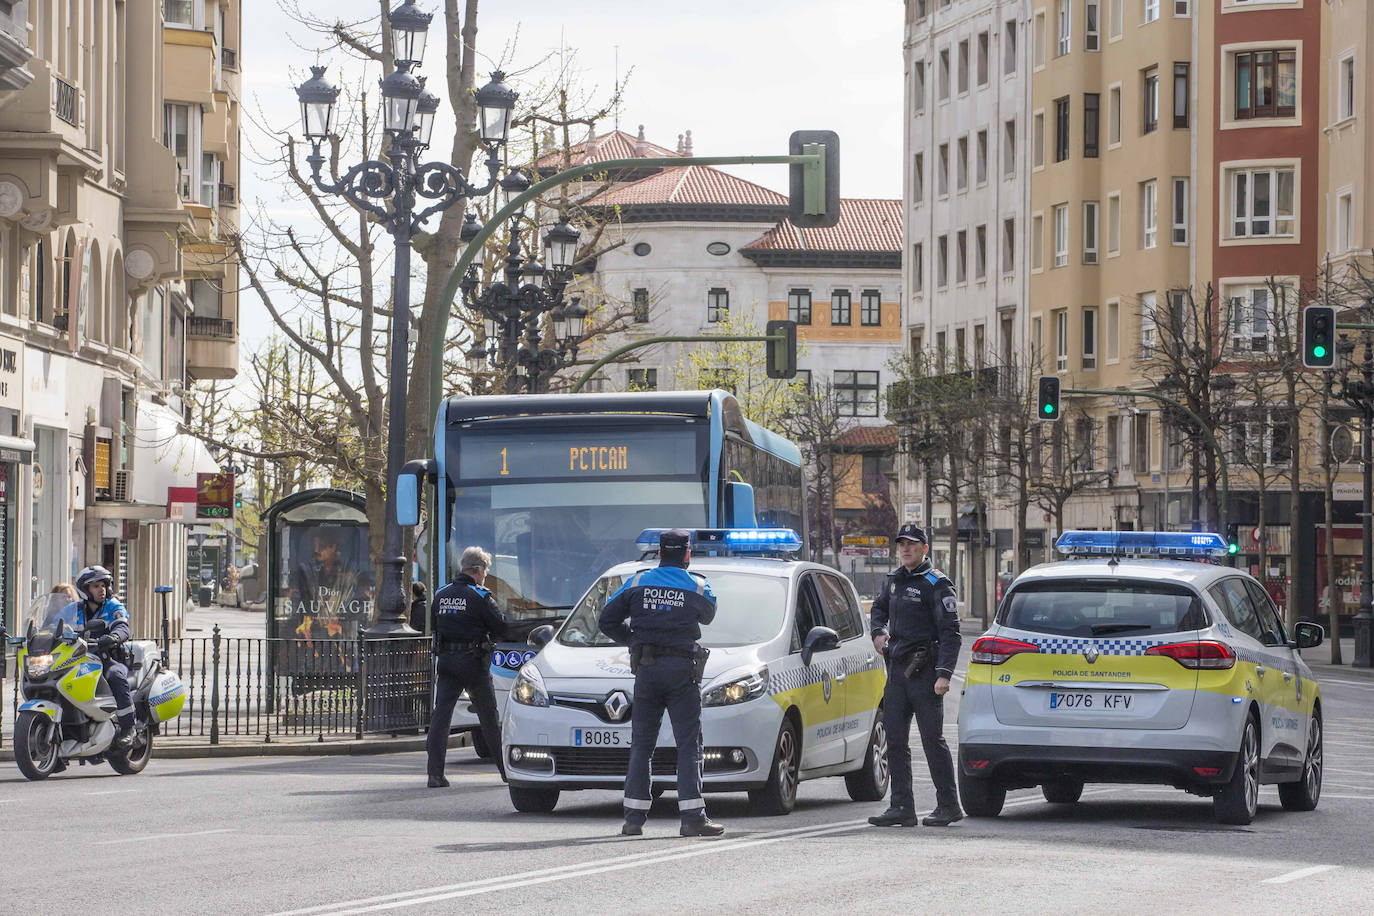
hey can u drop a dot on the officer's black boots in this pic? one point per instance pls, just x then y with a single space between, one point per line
943 816
628 829
896 817
703 827
124 738
438 782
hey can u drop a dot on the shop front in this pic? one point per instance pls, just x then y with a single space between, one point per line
1347 551
1276 573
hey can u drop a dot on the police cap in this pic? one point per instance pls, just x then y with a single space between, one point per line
675 540
911 532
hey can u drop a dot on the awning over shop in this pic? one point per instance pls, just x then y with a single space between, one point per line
13 448
164 456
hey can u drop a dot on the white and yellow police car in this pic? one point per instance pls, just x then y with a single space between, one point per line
791 690
1137 663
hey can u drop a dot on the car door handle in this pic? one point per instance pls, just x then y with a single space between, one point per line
1287 677
1261 670
839 678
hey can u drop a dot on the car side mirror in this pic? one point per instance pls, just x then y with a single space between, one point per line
820 639
540 637
1309 635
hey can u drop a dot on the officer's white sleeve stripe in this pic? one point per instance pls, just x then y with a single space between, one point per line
690 804
637 804
127 710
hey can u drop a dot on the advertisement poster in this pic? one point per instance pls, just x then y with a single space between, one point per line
330 583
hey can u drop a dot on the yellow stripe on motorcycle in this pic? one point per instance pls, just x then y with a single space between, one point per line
80 683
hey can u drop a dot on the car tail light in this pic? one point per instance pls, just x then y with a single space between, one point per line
1207 771
994 650
979 764
1199 654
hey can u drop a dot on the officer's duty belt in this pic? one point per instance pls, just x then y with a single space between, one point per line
445 646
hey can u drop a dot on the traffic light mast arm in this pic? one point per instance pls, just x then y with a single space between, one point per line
651 341
1206 432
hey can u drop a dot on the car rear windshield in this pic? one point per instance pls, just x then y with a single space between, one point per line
1103 607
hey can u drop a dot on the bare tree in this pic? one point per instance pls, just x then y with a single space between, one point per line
816 422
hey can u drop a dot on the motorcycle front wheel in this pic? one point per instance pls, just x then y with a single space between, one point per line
133 760
35 745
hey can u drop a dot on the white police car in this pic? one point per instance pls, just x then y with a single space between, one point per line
1136 663
791 690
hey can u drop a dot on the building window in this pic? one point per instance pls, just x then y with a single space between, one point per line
1008 245
1039 40
1090 229
1266 84
942 262
944 75
799 306
1092 104
1037 340
918 273
982 58
209 180
961 256
1113 331
961 165
1181 95
981 172
918 178
1037 242
1262 202
717 304
1038 139
639 298
921 9
1114 224
1180 7
871 309
1117 18
856 393
1061 340
1113 443
1090 338
642 379
839 307
1149 213
1141 424
175 12
942 171
1253 315
1061 129
980 253
1092 40
1061 235
918 86
1148 304
1114 116
1009 149
1345 222
1149 100
1065 21
1009 47
1347 88
1180 210
963 66
1151 10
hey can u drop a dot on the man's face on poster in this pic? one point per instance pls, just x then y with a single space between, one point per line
326 552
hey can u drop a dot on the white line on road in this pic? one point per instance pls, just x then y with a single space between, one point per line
110 792
1350 797
1299 873
1364 685
161 836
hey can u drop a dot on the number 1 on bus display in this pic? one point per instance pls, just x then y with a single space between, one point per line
504 470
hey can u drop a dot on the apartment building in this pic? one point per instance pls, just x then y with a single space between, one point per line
964 205
1174 144
118 162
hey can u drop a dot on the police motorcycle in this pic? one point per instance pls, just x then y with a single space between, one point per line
68 712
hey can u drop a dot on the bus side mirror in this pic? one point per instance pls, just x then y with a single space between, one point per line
739 498
408 491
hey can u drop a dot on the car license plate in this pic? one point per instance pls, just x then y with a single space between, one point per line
1090 701
601 737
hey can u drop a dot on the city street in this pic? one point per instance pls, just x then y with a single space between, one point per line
347 834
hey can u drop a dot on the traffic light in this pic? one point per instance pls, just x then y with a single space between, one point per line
1049 397
781 354
1233 539
1319 337
814 189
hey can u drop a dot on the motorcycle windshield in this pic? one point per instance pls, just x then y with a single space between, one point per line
48 610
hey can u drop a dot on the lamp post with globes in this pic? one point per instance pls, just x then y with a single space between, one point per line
390 191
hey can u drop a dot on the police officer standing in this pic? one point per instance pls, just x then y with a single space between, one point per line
665 608
464 621
915 623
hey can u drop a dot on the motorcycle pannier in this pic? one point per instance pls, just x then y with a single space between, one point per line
166 696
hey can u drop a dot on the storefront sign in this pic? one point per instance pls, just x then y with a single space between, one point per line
913 512
863 540
11 373
1348 491
214 496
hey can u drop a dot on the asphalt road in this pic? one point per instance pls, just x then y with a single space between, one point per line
338 834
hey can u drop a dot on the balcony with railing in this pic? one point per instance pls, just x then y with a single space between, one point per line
212 347
212 328
228 195
65 101
229 58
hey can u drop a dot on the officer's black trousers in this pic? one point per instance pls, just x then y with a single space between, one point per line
665 685
470 670
904 698
117 676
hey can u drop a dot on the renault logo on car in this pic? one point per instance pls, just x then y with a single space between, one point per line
616 705
1091 655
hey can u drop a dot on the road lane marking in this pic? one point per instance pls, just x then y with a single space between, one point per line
161 836
110 792
1350 797
1362 685
576 869
1299 873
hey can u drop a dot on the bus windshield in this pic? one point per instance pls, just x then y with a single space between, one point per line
558 506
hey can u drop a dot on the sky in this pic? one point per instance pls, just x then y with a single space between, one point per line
740 74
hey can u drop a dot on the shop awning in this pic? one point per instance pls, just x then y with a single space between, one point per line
164 456
13 448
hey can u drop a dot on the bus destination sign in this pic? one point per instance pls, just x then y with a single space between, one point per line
536 456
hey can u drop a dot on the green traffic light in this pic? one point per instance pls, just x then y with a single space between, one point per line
1233 548
1049 408
1319 351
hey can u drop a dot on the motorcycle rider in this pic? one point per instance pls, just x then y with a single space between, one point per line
95 585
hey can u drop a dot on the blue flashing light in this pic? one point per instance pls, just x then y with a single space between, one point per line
737 541
1195 545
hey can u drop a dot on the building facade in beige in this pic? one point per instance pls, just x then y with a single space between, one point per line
118 163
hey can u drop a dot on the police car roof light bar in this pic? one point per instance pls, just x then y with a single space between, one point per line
736 541
1188 544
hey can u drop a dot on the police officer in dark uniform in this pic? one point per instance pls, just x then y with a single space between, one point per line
915 624
659 614
464 621
95 585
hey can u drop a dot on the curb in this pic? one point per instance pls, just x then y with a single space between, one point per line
314 749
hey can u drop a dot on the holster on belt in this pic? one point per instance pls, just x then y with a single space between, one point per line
700 654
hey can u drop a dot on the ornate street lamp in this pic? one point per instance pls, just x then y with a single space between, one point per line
390 191
560 246
495 101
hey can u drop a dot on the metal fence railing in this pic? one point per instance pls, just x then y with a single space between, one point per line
274 688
